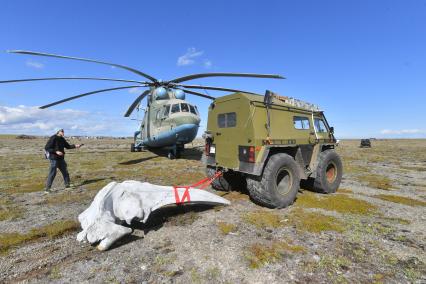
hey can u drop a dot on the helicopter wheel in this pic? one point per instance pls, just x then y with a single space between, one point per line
170 155
179 150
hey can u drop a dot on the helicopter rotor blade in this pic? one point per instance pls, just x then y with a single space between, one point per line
87 94
136 102
72 78
203 75
84 59
198 94
214 88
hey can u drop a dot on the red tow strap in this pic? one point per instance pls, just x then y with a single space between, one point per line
202 184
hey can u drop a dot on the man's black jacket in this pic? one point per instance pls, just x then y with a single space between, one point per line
57 143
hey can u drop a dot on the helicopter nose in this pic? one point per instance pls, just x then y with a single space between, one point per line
185 133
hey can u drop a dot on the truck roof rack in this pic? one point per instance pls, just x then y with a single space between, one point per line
297 103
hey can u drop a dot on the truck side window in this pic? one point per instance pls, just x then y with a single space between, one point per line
175 108
225 120
320 125
301 122
231 119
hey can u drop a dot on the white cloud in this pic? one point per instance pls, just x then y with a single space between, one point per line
34 64
137 91
32 120
207 63
189 57
402 131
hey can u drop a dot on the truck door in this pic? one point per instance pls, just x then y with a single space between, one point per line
227 134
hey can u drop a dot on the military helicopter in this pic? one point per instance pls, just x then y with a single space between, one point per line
169 121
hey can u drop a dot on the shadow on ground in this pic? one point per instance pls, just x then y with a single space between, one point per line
180 215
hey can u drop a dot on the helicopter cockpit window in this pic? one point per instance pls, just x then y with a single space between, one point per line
166 111
184 107
175 108
192 108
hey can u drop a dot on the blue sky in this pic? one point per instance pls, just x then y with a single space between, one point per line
363 62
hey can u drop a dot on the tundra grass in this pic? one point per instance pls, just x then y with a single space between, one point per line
344 190
56 229
69 197
8 210
313 222
233 195
377 181
263 219
401 200
259 254
226 228
335 202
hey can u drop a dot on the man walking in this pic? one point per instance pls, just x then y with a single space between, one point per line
55 149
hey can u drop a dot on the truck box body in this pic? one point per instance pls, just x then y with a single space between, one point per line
237 123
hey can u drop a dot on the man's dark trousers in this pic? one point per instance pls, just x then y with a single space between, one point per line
62 166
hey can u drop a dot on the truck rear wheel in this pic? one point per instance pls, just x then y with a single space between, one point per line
329 172
132 147
279 184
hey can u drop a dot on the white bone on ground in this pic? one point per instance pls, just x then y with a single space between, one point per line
123 202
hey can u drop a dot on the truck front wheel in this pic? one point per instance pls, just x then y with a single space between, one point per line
279 184
329 172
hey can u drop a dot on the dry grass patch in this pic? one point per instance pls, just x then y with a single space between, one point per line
335 202
263 219
377 181
396 220
226 228
313 222
25 188
401 200
259 254
233 195
8 210
414 168
69 197
350 167
50 231
344 190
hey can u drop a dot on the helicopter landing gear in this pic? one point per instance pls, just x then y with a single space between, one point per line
175 152
170 155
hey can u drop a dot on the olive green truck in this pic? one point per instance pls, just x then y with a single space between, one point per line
270 144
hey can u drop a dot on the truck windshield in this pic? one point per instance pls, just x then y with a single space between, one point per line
320 125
